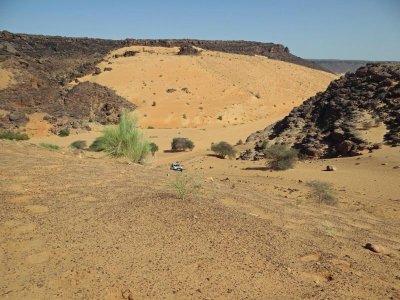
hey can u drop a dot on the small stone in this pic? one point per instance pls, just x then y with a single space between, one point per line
375 248
330 168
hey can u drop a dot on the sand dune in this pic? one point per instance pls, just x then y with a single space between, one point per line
210 89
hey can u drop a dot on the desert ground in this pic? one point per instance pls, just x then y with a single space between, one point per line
81 225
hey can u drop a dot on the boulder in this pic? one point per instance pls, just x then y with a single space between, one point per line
330 168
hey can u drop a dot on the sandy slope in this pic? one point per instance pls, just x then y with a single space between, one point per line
79 228
236 87
6 78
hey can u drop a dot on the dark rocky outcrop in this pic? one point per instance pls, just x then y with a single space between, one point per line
329 124
188 50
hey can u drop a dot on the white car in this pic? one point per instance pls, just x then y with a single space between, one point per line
176 167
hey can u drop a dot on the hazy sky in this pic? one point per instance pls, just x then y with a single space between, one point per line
343 29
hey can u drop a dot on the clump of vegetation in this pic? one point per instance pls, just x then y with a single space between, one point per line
153 148
64 132
239 142
223 149
125 140
80 144
181 144
185 186
97 145
184 116
281 157
219 118
13 136
323 192
154 103
49 146
150 127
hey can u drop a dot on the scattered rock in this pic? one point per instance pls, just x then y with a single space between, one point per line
188 50
97 71
375 248
17 117
330 168
126 294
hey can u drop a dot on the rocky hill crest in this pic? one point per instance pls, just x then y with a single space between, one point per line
331 123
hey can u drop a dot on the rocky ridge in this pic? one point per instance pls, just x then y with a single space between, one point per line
330 123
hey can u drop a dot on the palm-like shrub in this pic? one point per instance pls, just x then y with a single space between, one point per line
126 140
223 149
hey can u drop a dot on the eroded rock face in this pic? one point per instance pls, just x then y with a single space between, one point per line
329 123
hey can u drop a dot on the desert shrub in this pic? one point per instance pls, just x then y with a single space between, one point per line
97 145
154 103
150 127
223 149
49 146
13 135
153 148
184 116
281 157
219 118
78 144
126 140
181 144
64 132
239 142
185 186
322 191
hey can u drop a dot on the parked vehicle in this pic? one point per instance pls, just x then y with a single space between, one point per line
176 167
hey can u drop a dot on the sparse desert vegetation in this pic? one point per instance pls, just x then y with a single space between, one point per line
125 140
13 136
181 144
322 192
223 149
49 146
80 144
280 156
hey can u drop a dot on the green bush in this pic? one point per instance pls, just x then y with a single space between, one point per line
97 145
181 144
153 148
64 132
49 146
281 157
185 186
78 145
223 149
126 140
13 135
322 191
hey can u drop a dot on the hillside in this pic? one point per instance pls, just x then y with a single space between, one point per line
358 111
210 88
38 75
